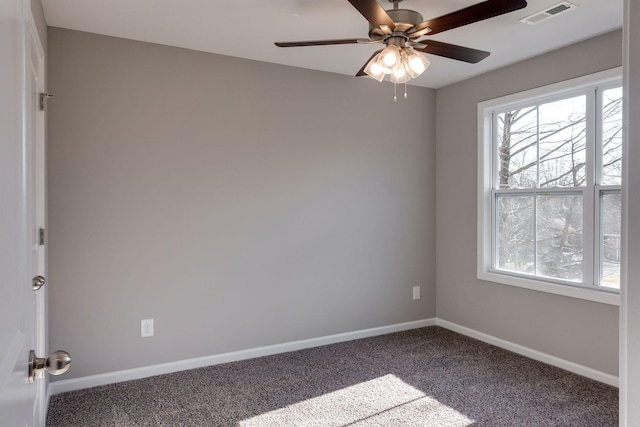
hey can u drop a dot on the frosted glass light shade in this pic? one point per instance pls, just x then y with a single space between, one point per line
414 62
374 70
389 59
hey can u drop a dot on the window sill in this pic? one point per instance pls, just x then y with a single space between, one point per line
604 297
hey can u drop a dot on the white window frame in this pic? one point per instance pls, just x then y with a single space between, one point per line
485 248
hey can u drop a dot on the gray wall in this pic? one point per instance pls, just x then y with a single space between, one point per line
576 330
237 203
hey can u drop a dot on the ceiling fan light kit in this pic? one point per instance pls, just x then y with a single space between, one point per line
400 64
403 57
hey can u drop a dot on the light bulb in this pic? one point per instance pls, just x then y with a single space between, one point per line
389 59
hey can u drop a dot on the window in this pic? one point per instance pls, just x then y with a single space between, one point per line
549 200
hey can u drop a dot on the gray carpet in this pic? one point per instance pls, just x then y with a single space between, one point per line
423 377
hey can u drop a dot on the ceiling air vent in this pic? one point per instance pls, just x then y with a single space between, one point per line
548 13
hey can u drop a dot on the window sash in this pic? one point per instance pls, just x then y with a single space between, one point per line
599 242
587 255
591 134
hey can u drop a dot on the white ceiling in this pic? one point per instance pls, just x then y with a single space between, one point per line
248 28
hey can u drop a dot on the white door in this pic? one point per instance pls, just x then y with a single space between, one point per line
22 310
17 396
35 186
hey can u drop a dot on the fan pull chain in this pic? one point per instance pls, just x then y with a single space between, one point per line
395 96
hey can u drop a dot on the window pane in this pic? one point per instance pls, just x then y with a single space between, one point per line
612 136
515 234
559 236
611 227
518 148
563 142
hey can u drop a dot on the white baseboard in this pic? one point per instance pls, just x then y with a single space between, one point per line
63 386
585 371
56 387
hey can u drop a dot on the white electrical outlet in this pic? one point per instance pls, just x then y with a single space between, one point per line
146 328
416 292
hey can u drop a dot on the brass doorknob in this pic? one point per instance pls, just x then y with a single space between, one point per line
57 363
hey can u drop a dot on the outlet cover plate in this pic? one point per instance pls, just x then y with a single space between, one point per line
146 328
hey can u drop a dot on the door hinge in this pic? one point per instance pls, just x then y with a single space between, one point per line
43 96
41 236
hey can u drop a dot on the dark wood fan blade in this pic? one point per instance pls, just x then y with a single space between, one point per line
453 51
478 12
373 12
361 72
321 42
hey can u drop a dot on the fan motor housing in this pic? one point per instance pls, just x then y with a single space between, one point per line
403 18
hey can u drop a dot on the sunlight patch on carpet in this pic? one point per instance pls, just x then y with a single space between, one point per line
383 401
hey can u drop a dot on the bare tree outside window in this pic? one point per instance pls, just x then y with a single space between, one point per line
542 149
612 136
611 245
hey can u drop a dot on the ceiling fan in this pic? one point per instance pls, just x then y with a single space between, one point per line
401 29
